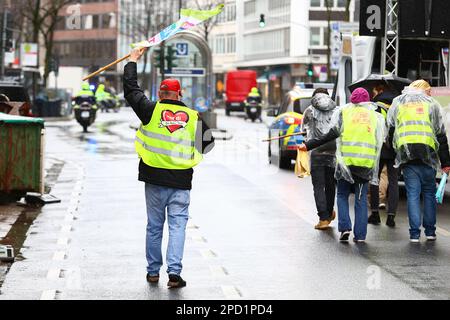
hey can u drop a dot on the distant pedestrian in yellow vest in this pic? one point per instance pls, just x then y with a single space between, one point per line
170 142
360 133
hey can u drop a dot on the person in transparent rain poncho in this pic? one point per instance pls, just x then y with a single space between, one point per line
360 132
417 132
316 122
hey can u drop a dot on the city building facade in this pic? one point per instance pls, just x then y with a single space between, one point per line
87 36
292 38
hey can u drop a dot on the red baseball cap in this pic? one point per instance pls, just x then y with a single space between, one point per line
171 85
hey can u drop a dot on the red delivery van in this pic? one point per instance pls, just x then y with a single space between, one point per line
238 85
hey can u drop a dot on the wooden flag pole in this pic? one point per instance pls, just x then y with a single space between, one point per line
106 67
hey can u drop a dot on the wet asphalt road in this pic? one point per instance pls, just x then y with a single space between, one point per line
250 235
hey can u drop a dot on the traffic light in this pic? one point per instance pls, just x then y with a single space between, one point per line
171 57
310 71
158 56
262 21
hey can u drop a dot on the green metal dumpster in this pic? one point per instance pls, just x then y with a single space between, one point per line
21 155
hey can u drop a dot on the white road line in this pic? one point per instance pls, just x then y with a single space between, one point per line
231 292
59 255
53 273
208 254
48 295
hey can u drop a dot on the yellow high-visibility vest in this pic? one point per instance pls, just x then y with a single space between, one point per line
168 140
358 139
414 124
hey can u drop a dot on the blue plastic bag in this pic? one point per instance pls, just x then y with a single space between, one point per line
441 190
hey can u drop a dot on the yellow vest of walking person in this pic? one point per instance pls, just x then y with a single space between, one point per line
359 143
414 124
168 140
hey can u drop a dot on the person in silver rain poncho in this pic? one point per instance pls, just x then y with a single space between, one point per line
316 123
418 135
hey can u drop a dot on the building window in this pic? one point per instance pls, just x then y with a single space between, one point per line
229 14
224 44
231 43
315 37
341 3
87 22
250 7
95 21
333 3
277 4
267 44
219 47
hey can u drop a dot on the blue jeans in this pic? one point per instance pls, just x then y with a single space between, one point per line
344 189
176 202
421 179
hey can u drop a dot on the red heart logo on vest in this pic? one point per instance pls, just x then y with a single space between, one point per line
174 121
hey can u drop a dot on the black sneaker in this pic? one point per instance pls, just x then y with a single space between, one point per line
152 279
175 281
374 218
390 222
345 235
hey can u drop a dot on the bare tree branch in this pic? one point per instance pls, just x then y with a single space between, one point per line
207 26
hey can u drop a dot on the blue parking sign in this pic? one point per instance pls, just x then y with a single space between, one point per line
182 49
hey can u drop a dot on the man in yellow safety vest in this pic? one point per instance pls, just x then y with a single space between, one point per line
360 133
418 134
170 142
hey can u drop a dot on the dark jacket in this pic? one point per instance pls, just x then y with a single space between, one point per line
383 102
143 107
386 98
